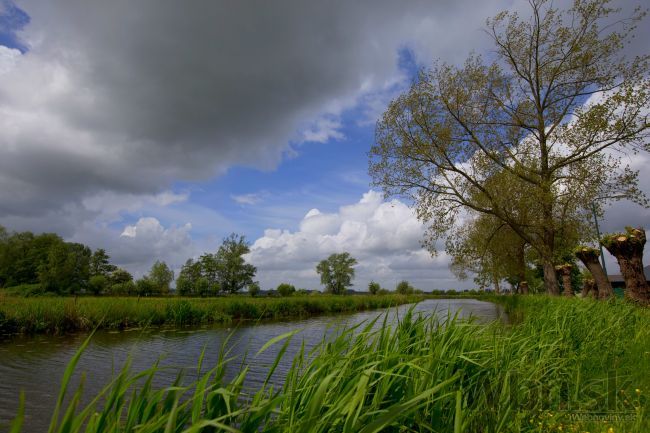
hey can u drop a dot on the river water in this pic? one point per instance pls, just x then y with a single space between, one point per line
35 365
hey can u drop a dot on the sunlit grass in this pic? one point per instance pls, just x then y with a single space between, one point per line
564 359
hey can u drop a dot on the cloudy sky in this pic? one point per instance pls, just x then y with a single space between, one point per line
153 129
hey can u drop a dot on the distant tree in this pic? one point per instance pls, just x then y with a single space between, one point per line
161 277
186 283
67 269
122 289
100 263
120 276
254 289
374 287
285 289
209 270
336 272
98 284
404 288
145 287
22 255
233 271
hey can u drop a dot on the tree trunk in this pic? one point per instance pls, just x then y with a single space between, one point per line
565 273
550 279
497 288
589 287
521 269
628 250
589 257
523 287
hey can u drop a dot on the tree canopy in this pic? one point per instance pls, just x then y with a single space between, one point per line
557 95
336 272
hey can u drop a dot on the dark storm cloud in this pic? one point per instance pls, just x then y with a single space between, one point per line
130 96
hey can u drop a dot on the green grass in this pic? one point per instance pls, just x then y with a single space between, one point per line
562 359
57 315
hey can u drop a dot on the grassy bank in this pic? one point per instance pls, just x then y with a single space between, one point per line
566 365
57 315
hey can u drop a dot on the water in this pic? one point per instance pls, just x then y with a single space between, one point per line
36 364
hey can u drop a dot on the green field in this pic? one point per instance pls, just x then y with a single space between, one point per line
564 365
57 315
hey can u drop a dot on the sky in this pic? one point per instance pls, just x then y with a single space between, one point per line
154 130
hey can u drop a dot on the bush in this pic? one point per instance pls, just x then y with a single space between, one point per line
286 289
374 287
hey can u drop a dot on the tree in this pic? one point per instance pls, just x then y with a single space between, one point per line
589 257
374 287
100 263
120 276
160 277
558 94
187 281
97 284
67 269
286 289
404 288
22 255
254 289
336 272
233 272
491 250
628 249
209 270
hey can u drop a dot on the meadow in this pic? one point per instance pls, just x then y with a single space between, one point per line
59 315
562 365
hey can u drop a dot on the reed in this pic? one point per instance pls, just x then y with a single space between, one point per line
564 362
58 315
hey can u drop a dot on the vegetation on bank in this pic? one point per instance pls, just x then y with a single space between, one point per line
548 372
57 315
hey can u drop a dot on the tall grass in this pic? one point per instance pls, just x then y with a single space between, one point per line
57 315
566 360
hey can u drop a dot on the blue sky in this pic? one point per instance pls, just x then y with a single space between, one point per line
154 130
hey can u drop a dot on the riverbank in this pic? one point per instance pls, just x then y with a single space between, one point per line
566 365
59 315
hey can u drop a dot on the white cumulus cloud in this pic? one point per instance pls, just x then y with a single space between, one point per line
383 236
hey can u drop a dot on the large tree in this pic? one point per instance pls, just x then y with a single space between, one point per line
336 272
556 96
233 272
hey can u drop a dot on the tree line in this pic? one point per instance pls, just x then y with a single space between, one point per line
32 264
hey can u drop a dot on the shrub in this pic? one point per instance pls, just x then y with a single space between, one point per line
374 287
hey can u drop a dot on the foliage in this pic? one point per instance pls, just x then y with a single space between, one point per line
234 273
374 287
404 288
100 263
161 277
419 374
97 284
22 254
67 268
557 94
254 289
285 289
336 272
